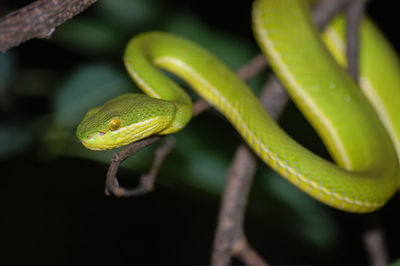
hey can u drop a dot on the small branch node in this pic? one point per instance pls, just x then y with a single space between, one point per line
146 183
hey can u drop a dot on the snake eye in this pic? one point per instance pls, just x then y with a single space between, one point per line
115 124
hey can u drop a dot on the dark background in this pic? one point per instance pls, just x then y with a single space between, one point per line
52 202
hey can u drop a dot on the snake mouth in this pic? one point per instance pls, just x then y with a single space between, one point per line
94 142
92 136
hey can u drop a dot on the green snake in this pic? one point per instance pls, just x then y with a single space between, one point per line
358 126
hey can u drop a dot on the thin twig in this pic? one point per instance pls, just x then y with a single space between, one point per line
200 106
354 13
37 20
323 11
247 72
112 186
146 183
247 254
374 239
374 242
273 97
255 66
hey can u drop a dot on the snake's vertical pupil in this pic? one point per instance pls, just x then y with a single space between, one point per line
115 124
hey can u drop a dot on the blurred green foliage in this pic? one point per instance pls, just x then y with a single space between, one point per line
46 87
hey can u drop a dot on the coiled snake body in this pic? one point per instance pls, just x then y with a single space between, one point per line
347 118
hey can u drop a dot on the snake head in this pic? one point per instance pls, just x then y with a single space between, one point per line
123 120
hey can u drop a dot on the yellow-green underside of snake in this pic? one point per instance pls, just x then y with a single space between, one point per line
358 126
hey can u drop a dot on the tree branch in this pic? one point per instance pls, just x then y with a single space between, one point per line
37 20
323 11
354 13
374 238
112 185
230 239
146 183
374 241
229 231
